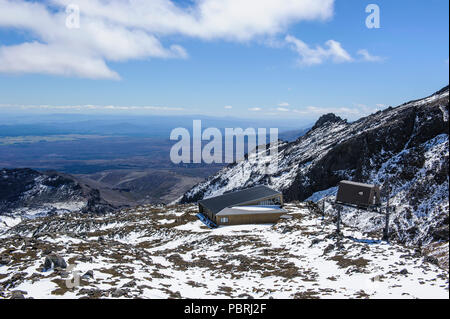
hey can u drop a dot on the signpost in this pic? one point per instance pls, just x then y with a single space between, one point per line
361 196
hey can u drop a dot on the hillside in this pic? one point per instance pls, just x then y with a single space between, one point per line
150 186
404 149
26 193
166 252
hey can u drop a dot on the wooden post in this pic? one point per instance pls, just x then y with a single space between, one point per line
323 209
338 227
338 231
388 208
386 227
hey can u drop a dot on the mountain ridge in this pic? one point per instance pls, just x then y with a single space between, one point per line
25 192
412 138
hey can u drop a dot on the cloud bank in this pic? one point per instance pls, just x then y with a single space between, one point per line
123 30
93 108
331 51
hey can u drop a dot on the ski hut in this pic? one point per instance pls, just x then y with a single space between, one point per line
256 205
358 194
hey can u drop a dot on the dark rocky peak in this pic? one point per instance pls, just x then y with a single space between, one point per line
442 91
26 189
439 94
327 118
405 148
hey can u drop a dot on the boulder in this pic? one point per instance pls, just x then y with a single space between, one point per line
92 293
54 260
431 260
88 274
117 293
441 234
18 294
4 260
47 251
329 248
86 259
315 241
129 284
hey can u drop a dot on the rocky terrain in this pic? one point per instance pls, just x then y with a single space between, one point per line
138 187
26 193
403 149
166 252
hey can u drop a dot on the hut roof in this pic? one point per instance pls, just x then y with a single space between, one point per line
249 195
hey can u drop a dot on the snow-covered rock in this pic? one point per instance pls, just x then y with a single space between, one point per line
26 193
137 253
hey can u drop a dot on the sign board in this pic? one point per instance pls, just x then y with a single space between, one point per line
358 194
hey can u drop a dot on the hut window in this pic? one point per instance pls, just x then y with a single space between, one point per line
224 220
269 202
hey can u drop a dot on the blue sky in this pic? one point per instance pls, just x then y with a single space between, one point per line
254 75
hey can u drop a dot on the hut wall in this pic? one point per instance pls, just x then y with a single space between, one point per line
268 218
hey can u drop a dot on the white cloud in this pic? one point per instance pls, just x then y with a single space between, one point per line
255 109
39 58
209 19
122 30
282 109
366 56
355 112
332 50
283 104
313 56
228 107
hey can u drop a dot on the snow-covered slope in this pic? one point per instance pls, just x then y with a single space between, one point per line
159 252
403 148
26 193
